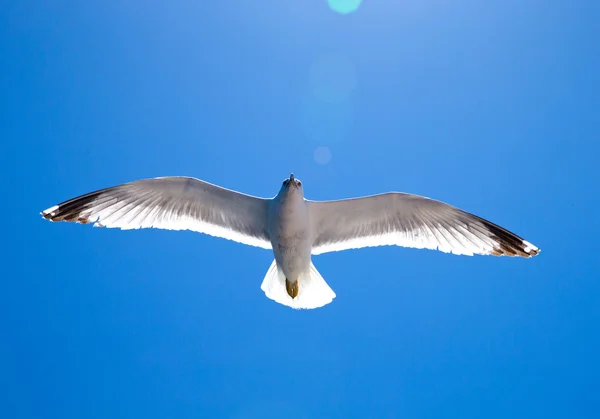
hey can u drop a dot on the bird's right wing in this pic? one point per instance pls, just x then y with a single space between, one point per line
411 221
171 203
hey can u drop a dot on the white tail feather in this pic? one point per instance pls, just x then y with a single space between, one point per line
313 291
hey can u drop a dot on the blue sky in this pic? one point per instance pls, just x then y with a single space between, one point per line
490 106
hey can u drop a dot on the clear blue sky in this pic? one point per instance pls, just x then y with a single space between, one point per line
492 106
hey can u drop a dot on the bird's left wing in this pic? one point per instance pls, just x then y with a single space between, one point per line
171 203
410 221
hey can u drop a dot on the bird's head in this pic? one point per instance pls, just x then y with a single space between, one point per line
291 186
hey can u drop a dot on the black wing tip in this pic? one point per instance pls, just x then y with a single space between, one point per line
508 243
50 213
530 249
72 209
59 213
510 248
74 218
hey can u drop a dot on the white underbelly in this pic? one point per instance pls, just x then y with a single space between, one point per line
293 256
289 229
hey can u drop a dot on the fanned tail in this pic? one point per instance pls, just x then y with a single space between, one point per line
313 291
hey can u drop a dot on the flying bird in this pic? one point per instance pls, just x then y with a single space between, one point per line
293 227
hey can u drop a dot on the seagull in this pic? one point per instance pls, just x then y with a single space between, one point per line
293 227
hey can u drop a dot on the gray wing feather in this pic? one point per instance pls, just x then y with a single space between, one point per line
411 221
171 203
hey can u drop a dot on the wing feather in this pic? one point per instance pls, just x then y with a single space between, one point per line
171 203
411 221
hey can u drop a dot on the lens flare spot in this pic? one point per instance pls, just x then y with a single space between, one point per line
322 155
333 79
344 6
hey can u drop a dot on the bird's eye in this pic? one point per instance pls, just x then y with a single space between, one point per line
285 182
299 183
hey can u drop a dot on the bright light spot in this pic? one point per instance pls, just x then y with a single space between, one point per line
344 6
333 79
322 155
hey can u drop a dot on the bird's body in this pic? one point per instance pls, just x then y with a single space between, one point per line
293 227
289 228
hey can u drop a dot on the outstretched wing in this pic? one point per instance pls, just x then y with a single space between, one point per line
410 221
171 203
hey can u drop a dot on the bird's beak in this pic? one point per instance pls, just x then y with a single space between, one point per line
292 177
